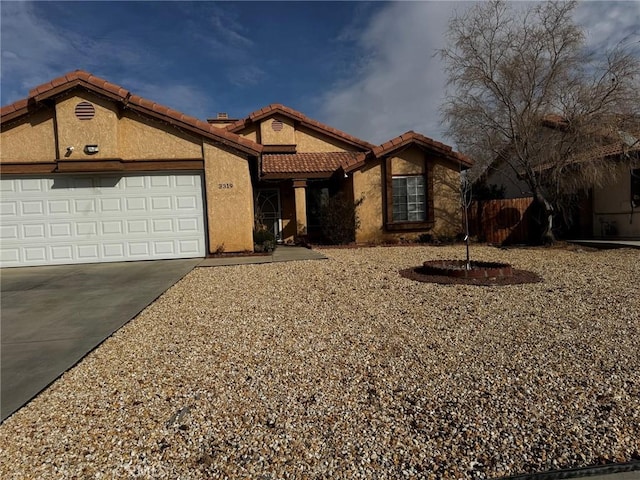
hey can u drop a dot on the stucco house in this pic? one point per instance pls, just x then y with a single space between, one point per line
608 210
90 172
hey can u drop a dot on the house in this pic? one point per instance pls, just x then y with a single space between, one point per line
606 210
91 172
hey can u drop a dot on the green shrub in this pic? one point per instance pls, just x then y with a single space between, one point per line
425 238
339 219
263 240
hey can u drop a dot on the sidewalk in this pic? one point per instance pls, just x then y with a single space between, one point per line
632 475
282 253
607 243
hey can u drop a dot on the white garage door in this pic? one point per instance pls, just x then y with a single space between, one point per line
61 219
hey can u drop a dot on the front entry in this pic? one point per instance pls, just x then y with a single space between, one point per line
268 212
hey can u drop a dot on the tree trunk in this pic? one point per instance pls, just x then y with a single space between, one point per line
547 237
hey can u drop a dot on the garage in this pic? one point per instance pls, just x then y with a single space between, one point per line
88 218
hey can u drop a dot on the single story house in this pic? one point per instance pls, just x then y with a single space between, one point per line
608 210
90 172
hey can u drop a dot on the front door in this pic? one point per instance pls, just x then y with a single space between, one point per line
268 211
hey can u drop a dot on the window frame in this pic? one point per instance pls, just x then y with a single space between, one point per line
408 225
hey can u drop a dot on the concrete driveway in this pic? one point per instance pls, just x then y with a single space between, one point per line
53 316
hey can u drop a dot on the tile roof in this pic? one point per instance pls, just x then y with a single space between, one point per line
304 163
299 117
406 139
602 152
80 78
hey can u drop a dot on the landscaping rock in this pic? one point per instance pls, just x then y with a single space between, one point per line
345 369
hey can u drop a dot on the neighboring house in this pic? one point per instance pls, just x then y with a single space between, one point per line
609 210
93 173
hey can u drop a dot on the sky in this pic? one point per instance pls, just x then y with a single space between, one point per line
367 68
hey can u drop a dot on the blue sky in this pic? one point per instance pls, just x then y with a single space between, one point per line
364 67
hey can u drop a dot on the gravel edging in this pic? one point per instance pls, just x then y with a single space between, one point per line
517 277
344 369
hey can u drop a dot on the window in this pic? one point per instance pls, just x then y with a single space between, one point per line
409 199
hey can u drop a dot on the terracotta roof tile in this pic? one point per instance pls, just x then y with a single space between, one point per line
300 163
101 86
601 152
406 139
14 107
300 117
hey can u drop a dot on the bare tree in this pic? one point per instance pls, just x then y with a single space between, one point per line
527 97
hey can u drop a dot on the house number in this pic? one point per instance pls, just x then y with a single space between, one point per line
225 185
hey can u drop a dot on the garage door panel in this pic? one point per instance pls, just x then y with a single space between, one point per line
32 185
135 227
9 232
60 253
10 255
112 227
84 206
33 231
159 181
113 250
186 202
164 248
161 203
133 183
8 209
136 204
86 229
162 225
85 219
32 207
110 205
35 254
188 247
188 224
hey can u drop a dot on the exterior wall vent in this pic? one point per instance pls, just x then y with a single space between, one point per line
277 125
85 111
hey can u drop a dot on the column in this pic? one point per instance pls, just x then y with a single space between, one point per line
300 190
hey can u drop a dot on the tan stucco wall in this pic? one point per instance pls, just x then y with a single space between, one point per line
101 130
408 162
130 137
308 141
251 133
269 136
31 140
141 138
612 206
229 200
368 185
447 208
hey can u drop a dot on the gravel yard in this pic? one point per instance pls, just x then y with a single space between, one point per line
343 369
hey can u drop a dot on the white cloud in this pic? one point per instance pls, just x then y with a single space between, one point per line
35 51
398 84
608 23
228 30
245 75
30 45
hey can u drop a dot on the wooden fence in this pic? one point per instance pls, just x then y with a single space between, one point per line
507 221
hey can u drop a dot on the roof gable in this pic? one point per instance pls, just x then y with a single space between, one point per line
82 79
294 115
406 140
